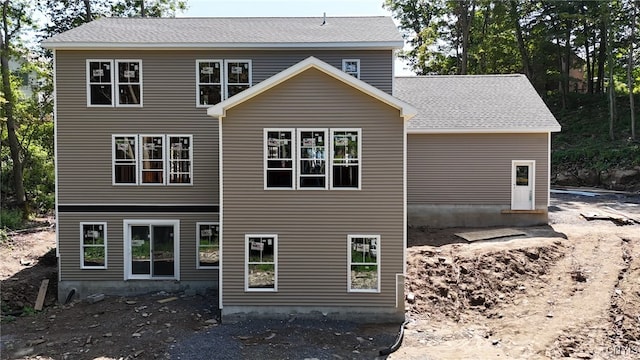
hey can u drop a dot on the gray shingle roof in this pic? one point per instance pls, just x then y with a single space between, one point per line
374 32
474 103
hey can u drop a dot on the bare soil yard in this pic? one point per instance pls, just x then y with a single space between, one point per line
568 290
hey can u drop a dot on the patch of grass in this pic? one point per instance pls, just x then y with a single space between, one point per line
28 311
11 219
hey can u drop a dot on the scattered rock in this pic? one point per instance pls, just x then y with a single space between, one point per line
136 335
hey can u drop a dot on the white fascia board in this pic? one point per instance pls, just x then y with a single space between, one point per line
219 110
484 131
370 45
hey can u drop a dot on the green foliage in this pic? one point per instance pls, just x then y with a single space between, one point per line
11 219
28 311
584 141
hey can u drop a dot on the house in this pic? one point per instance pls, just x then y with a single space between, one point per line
262 157
478 151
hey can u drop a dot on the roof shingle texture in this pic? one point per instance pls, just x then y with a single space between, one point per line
278 30
474 103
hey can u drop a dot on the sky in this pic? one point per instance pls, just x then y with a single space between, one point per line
236 8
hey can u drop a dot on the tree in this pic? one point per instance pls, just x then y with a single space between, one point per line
630 63
14 20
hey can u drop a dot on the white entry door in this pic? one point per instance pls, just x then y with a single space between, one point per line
522 184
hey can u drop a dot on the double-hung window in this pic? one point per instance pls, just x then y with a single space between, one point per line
279 164
208 243
209 82
351 67
125 164
238 76
261 259
364 263
129 81
179 158
99 83
217 80
345 158
312 166
93 242
152 159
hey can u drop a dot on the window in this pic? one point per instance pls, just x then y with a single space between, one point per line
351 67
345 158
312 163
179 159
208 245
99 83
364 263
279 158
129 81
152 249
93 241
238 76
125 165
261 272
152 159
209 82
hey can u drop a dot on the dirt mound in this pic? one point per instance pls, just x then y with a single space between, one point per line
27 259
447 281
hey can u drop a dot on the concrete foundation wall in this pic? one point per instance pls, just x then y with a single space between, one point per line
443 216
131 288
357 314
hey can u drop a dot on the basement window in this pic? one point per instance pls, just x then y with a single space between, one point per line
364 263
93 241
208 243
261 259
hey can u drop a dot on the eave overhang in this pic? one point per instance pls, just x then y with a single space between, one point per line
486 131
373 45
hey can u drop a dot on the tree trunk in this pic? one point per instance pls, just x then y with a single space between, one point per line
14 145
612 97
87 8
630 72
588 58
465 20
524 54
142 12
601 57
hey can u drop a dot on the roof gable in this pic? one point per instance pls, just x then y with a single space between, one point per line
228 33
474 104
219 110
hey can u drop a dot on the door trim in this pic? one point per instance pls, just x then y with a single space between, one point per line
126 232
532 181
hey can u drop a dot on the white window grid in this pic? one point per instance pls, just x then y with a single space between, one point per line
348 161
351 67
248 239
110 81
145 148
302 147
198 238
176 162
241 62
268 150
117 141
350 262
101 227
118 82
212 62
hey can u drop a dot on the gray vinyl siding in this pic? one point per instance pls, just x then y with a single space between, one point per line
472 169
312 225
69 245
169 98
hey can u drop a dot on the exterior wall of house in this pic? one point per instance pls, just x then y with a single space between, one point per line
312 225
84 153
111 280
465 179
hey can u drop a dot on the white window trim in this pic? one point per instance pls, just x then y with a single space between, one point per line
117 83
141 160
344 67
299 174
88 81
246 263
126 230
265 157
198 266
349 263
225 80
168 160
113 159
332 132
82 245
222 74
